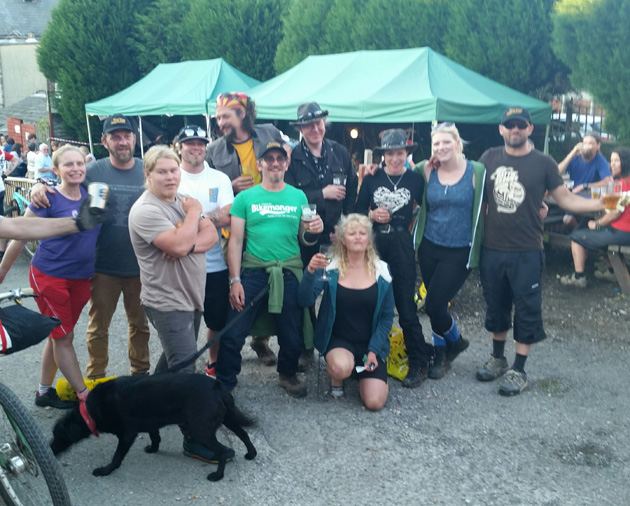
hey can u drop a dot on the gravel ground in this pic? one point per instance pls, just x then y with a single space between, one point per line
565 440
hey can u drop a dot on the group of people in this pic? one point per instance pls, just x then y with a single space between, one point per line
223 231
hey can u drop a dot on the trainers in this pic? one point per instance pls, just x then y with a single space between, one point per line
264 352
196 450
210 370
306 359
293 386
440 364
573 281
335 392
514 382
453 349
415 376
605 275
492 369
51 400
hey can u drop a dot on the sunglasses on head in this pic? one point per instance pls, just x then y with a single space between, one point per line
439 126
190 131
521 125
269 159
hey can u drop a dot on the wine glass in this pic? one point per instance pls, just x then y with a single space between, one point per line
327 251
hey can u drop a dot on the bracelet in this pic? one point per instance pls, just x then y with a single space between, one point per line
234 280
597 226
585 185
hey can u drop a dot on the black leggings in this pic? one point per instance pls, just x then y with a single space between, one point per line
443 272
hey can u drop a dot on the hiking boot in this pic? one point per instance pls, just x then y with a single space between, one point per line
261 346
51 400
492 369
606 275
306 360
336 392
415 376
573 281
514 382
293 386
453 349
440 364
210 370
196 450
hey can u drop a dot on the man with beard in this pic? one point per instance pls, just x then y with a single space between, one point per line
213 189
270 216
235 154
116 267
512 257
585 164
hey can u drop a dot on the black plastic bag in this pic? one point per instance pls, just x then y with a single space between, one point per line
21 328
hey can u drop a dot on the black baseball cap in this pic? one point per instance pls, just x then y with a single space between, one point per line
190 132
516 114
117 122
271 146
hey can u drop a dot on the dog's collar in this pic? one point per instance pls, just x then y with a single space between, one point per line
89 421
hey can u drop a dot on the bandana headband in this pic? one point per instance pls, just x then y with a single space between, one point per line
233 100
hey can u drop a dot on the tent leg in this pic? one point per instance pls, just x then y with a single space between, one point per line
546 148
87 119
141 137
207 116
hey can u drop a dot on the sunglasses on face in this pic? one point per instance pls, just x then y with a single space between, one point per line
189 132
439 126
518 124
269 159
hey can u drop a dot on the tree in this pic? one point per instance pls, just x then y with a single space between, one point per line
159 37
322 27
592 38
245 33
85 50
509 42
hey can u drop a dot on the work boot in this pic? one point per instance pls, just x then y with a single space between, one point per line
492 369
514 382
261 346
306 359
293 386
453 349
440 365
415 376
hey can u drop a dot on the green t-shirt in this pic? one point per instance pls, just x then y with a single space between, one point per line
272 221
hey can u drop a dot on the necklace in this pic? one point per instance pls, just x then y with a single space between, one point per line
395 185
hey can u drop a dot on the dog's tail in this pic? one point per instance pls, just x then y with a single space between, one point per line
232 411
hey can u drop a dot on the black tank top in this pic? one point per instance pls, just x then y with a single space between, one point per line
354 313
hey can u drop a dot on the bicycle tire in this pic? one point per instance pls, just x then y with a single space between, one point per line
12 210
31 247
28 487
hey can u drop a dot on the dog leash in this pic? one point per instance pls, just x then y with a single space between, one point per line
193 358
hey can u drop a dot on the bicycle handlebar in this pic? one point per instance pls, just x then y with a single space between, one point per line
17 293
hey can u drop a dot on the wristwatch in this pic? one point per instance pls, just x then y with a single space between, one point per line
234 280
585 185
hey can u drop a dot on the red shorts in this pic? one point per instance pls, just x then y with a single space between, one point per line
61 298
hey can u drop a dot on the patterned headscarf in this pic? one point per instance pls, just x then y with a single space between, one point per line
233 100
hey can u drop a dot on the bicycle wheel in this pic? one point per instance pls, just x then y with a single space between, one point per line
12 210
29 472
31 247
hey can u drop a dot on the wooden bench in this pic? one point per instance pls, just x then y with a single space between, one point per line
619 265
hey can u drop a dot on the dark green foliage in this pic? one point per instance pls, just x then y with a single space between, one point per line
85 50
509 42
592 38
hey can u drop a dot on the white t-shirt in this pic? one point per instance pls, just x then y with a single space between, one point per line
214 190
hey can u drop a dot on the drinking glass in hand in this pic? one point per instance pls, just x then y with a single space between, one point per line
339 180
327 251
309 211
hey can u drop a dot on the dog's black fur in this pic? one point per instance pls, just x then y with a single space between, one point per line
128 405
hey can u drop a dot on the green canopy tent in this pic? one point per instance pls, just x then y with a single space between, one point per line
185 88
391 86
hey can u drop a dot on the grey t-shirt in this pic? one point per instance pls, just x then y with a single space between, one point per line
167 285
114 253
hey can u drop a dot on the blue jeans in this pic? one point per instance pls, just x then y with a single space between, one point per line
288 327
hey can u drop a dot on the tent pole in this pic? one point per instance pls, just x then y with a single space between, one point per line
207 116
546 148
87 119
141 137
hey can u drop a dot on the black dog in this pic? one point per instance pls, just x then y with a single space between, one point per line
128 405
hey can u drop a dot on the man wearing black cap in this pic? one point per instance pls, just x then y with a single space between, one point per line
512 256
236 154
214 190
116 266
322 169
270 215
